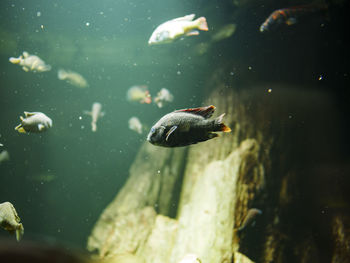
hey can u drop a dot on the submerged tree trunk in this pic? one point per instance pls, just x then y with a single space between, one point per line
263 163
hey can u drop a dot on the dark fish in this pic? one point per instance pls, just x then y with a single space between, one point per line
289 16
187 126
252 213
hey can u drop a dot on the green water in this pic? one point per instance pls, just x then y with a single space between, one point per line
106 41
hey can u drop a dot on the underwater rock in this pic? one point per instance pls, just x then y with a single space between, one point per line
206 221
159 244
153 177
240 258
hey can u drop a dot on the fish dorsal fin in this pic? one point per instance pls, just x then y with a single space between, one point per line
184 18
28 114
205 112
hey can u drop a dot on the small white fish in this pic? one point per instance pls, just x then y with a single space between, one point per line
175 28
72 78
4 156
34 122
135 125
139 93
95 113
163 96
30 63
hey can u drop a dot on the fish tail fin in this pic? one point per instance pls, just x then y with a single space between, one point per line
219 125
20 129
202 23
93 126
19 232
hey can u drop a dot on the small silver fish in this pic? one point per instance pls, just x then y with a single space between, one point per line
4 156
139 93
34 122
30 63
135 125
10 221
95 113
251 214
72 78
163 96
175 28
187 126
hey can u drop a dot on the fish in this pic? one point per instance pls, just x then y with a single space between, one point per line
176 28
225 32
43 178
95 113
290 15
135 125
248 219
187 126
139 93
30 62
34 122
4 156
163 96
72 78
10 221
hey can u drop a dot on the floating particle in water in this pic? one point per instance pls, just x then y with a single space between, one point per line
42 26
38 13
80 118
320 77
269 90
87 23
178 72
158 172
250 68
232 73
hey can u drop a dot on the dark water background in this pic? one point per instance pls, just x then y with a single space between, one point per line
112 53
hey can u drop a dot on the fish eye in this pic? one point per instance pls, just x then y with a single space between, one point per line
153 130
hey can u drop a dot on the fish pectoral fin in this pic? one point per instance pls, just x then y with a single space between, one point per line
41 127
193 33
20 129
172 129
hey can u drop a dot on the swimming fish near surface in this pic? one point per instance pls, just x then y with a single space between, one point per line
187 126
248 219
95 113
175 28
135 125
139 93
10 221
290 15
30 62
163 96
34 122
72 78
